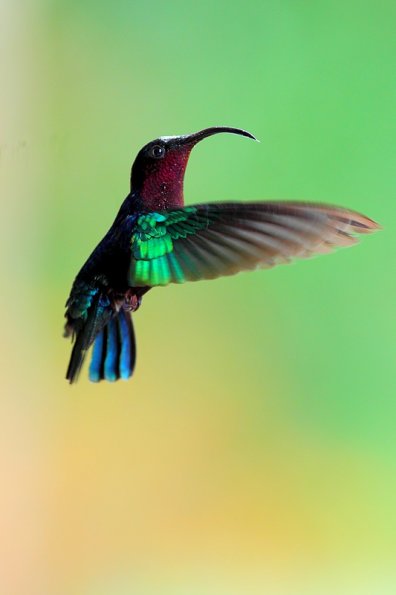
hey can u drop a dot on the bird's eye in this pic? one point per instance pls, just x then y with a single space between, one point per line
157 151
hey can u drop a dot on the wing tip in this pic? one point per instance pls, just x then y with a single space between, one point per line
363 224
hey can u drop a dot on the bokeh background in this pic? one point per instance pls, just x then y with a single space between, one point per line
254 450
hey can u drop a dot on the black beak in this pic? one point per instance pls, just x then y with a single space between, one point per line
196 137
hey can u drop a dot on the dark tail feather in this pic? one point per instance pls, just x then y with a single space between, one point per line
114 351
76 360
98 315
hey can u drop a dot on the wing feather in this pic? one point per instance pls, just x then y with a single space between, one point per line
206 241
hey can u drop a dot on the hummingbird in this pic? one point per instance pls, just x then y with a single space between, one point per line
156 240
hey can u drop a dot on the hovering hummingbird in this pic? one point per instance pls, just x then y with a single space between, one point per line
155 240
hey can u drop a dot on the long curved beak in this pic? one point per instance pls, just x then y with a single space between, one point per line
196 137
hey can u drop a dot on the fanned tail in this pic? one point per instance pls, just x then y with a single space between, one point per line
114 350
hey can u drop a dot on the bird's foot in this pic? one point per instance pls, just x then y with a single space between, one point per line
131 302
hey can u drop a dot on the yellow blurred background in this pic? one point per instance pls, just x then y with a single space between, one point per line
254 450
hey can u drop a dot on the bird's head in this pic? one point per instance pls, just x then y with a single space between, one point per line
158 171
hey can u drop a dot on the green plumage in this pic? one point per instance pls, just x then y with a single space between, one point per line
153 243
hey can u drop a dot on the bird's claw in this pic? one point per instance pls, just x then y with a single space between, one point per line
131 302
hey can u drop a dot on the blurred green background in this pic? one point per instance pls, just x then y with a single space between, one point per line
254 450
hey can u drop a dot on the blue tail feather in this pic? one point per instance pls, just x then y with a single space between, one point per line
114 352
128 350
96 365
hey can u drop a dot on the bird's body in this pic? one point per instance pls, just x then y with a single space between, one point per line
155 240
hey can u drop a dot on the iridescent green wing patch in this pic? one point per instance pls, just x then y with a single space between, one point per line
210 240
157 246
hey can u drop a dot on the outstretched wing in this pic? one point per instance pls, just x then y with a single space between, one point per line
206 241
